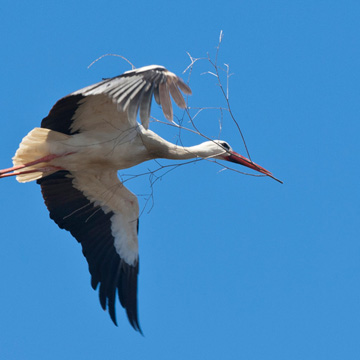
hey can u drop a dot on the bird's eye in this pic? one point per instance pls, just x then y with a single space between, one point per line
225 145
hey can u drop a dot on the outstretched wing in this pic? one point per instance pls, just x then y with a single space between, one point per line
102 214
114 103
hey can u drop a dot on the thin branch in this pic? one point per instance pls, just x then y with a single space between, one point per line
215 73
226 94
116 55
192 113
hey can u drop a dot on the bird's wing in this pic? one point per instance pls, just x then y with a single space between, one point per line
114 103
102 214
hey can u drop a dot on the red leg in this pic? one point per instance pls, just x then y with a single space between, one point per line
44 159
43 169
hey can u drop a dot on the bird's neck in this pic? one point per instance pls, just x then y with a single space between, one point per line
160 148
176 152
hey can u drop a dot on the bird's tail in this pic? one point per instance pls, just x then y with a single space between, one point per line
34 154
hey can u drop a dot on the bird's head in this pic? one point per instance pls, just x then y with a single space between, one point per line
223 151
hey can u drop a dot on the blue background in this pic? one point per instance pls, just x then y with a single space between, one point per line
231 266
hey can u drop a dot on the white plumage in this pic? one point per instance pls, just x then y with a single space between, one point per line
87 137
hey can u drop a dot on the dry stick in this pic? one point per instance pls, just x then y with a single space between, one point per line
208 159
116 55
226 95
152 175
230 112
193 61
158 169
153 178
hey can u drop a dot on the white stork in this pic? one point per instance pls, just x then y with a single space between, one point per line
87 137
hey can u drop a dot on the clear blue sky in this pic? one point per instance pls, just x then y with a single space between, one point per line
231 266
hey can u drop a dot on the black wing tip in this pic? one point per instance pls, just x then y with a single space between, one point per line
113 315
126 289
134 322
131 313
137 328
132 317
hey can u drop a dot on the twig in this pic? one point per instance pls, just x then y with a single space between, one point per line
161 170
116 55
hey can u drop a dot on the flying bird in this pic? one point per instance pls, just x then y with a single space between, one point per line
87 137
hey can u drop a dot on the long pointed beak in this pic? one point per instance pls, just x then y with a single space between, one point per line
239 159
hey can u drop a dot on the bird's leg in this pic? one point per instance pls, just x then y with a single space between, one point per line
42 169
45 159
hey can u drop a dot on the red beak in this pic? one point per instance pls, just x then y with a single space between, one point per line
239 159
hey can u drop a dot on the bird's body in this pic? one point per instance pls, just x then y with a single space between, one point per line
87 137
